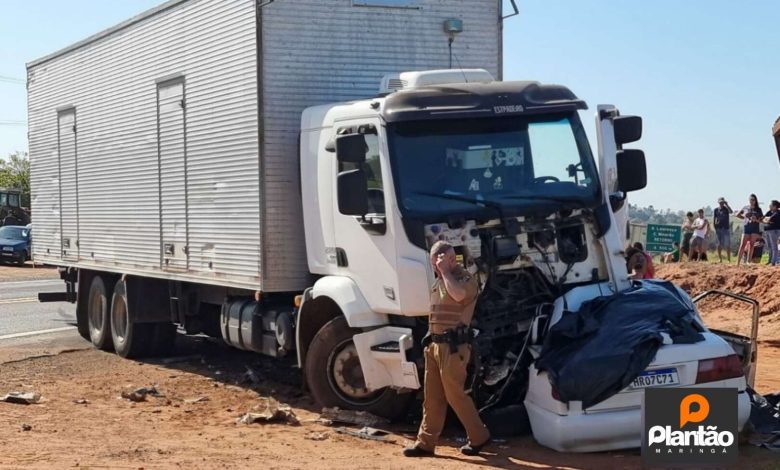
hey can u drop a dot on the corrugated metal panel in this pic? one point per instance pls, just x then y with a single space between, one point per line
325 51
173 174
314 52
112 82
68 186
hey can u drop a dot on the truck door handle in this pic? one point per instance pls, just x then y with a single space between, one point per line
169 249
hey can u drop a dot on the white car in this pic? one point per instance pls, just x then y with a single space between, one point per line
721 360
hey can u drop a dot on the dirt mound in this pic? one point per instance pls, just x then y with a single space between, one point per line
759 282
762 283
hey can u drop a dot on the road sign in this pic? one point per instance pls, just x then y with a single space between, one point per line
661 237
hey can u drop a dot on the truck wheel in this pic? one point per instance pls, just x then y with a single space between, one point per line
131 339
98 314
335 378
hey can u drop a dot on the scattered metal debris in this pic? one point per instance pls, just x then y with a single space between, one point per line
360 418
196 400
316 436
269 411
22 398
26 427
139 394
366 432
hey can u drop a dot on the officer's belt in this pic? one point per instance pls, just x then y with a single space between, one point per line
454 337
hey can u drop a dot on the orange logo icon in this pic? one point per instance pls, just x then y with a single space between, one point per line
689 416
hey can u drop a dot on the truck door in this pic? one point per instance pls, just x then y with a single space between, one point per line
365 246
172 148
66 146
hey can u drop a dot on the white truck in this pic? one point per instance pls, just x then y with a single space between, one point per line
263 172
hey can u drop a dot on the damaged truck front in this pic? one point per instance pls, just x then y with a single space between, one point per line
504 172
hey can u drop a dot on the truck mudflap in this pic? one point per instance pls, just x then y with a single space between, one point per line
383 358
745 347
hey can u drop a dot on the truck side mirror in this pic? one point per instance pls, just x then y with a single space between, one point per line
351 148
631 170
353 192
627 129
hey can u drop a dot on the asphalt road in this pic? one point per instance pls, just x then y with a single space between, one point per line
21 314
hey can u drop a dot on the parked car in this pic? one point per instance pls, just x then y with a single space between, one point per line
15 242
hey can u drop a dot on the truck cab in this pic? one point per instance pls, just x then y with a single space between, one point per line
11 210
504 172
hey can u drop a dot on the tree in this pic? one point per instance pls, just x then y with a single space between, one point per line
15 172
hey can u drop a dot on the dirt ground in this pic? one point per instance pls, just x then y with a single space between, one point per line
28 272
173 431
762 283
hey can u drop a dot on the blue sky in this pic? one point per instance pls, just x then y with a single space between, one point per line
704 75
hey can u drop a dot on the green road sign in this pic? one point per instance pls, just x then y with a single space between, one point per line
661 237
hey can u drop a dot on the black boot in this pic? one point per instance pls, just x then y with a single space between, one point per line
416 451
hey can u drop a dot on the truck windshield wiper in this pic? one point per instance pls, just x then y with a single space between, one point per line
477 202
540 197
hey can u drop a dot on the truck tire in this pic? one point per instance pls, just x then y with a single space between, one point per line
335 378
131 339
99 314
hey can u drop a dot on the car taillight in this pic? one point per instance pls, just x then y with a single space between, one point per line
555 394
719 368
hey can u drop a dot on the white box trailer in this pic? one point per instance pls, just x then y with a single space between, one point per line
167 146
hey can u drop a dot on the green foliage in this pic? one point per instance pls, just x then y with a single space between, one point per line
15 172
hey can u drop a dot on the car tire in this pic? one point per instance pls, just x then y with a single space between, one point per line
329 383
98 314
22 259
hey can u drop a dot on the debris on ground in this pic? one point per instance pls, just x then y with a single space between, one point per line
270 411
366 432
764 420
178 359
251 376
359 418
139 394
26 427
22 398
196 400
316 436
81 401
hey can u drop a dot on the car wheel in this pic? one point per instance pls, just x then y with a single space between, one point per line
22 259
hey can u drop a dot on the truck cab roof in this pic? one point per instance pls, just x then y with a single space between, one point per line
451 101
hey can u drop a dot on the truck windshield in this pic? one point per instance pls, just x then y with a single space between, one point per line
453 166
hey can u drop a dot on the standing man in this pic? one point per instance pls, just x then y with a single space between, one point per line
701 228
447 352
687 229
720 219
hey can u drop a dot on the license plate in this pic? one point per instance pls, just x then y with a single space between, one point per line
656 378
8 248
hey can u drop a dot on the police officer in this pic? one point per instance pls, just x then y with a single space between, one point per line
447 352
